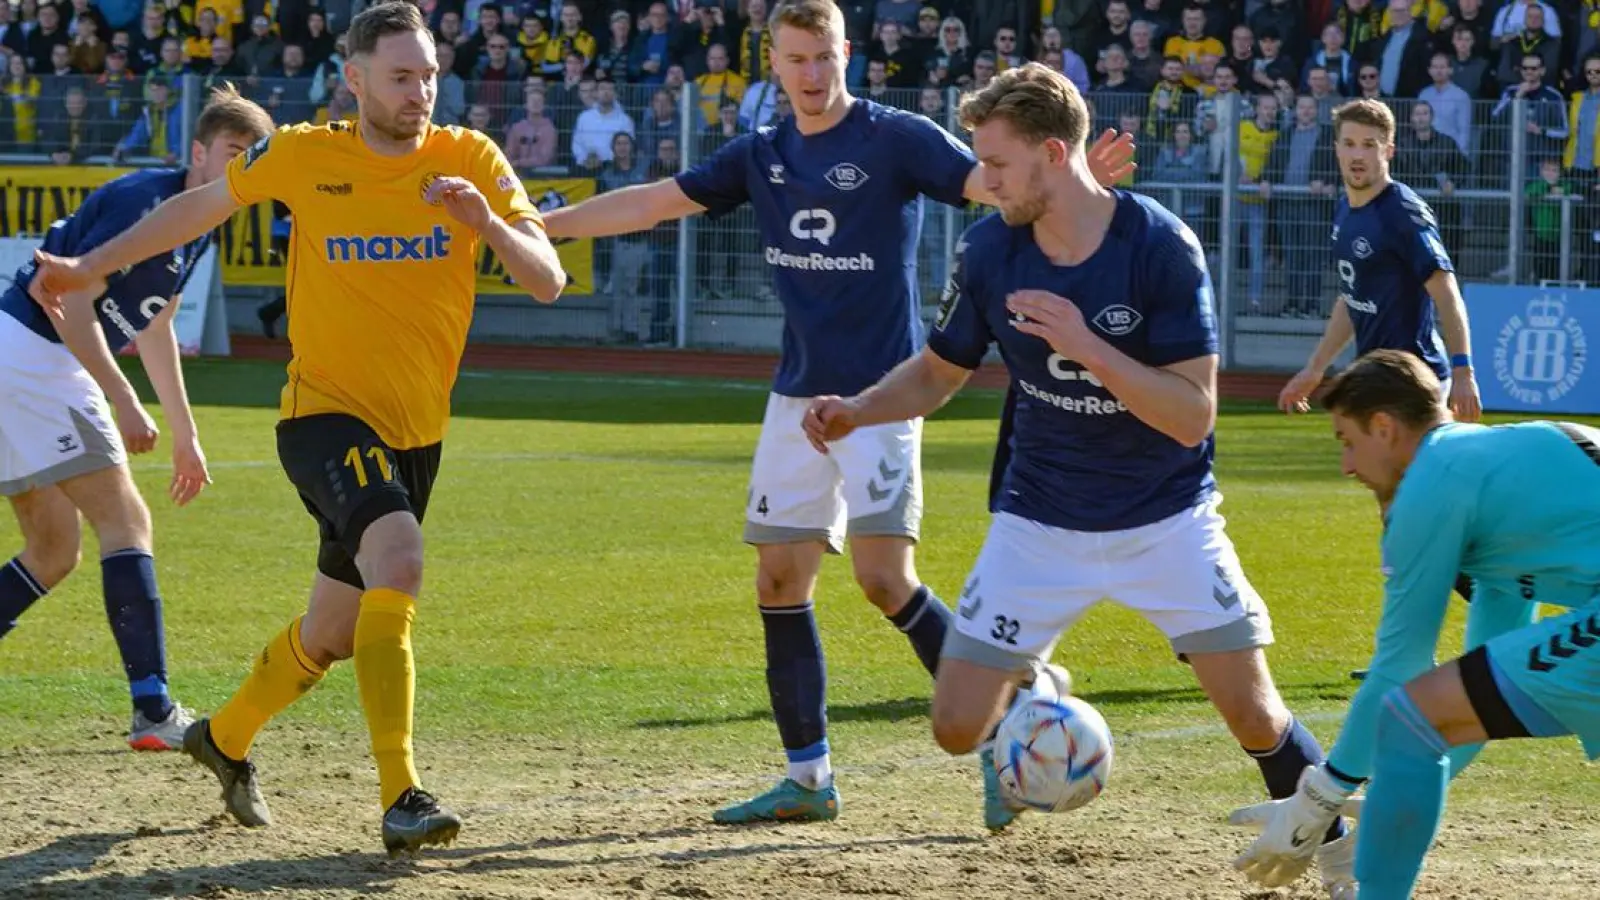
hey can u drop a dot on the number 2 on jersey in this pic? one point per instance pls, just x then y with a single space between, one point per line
353 460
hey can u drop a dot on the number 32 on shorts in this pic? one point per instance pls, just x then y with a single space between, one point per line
1005 630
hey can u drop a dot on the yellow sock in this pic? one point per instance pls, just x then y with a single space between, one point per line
385 675
283 674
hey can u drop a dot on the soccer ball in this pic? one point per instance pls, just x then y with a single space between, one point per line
1052 753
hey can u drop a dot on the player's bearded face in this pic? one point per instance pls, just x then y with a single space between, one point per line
398 83
1026 204
1363 156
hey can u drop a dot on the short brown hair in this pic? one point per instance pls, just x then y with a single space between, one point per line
818 17
1368 112
1038 102
229 112
382 19
1387 381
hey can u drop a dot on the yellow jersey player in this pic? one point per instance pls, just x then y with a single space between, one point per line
388 212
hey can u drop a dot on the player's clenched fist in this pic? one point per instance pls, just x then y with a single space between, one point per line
462 200
829 419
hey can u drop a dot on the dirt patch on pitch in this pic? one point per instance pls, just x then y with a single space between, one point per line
104 823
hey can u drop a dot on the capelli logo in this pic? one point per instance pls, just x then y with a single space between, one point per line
336 190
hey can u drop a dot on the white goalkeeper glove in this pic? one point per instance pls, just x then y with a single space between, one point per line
1291 829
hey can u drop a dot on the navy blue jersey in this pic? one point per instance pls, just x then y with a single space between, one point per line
840 215
1078 458
133 296
1386 251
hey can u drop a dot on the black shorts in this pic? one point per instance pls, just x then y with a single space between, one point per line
349 478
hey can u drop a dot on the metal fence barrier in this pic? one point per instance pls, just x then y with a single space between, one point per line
1507 211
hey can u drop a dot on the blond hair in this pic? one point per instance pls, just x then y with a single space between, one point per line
1037 101
229 112
818 17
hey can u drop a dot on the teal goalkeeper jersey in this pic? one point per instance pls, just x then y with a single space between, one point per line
1515 507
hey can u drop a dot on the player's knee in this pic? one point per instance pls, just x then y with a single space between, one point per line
399 568
126 525
1258 721
52 559
779 586
955 734
391 554
887 589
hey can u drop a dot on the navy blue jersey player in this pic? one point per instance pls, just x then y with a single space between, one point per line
1102 308
838 193
1397 286
61 451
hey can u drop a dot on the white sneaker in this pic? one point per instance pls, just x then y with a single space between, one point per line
160 736
1336 863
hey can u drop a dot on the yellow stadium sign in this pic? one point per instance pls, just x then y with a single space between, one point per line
31 197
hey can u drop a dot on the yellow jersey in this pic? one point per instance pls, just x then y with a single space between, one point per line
1255 146
381 284
1190 52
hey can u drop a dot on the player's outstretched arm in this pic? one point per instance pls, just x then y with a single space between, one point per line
622 212
529 257
911 390
173 224
158 349
1446 294
1296 395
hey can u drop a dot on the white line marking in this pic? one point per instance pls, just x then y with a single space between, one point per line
453 459
630 380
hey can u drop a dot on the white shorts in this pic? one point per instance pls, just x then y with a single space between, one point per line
1032 582
55 423
868 485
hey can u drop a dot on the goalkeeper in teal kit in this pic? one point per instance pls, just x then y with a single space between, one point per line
1516 508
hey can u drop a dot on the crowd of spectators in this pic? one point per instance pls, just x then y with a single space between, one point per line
558 82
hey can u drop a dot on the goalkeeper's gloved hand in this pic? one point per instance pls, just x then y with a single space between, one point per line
1291 829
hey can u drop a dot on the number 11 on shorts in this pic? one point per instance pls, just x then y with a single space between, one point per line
353 460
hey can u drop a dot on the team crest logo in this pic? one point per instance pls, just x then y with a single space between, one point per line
428 181
1117 320
505 182
846 176
1361 248
1539 357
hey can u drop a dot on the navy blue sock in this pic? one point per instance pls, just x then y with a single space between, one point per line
797 680
133 607
18 591
1281 766
924 620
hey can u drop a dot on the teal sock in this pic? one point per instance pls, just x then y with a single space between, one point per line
1405 800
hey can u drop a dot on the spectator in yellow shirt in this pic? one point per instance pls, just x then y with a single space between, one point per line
533 42
1192 45
1256 137
718 85
570 39
197 47
230 16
